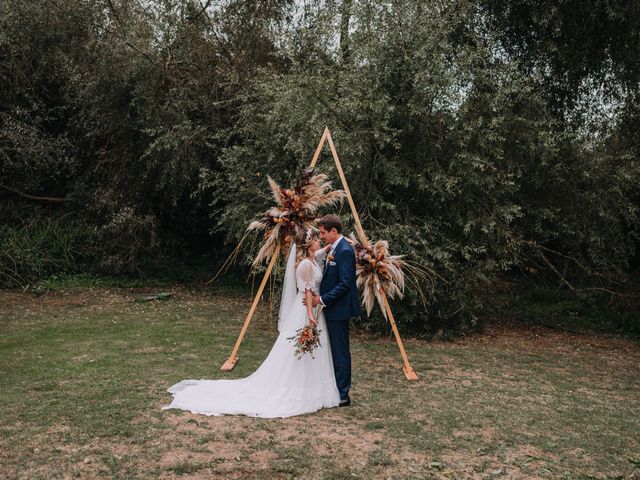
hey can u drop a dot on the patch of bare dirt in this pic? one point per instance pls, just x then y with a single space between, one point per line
524 462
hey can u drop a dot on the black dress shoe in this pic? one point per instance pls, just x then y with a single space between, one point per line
345 403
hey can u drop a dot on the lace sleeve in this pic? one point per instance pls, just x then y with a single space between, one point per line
305 269
321 254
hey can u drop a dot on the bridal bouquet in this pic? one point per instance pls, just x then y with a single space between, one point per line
306 340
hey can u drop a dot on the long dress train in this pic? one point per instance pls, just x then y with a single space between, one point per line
283 385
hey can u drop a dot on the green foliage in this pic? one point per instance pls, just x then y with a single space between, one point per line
477 138
563 309
40 248
452 153
566 43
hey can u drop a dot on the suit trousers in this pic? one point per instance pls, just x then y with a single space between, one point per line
339 339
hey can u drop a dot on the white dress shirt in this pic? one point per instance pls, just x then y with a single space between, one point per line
335 244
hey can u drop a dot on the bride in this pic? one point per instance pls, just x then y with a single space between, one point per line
283 385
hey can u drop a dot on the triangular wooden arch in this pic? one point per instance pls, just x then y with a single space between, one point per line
233 358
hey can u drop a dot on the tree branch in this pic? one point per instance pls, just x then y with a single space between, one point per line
33 197
562 276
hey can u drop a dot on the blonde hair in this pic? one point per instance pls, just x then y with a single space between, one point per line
304 240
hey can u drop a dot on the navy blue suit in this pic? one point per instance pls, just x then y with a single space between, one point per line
339 294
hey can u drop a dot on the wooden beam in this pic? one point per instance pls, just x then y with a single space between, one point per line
316 155
233 358
408 370
363 238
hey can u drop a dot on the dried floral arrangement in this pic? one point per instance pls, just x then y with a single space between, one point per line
380 273
296 210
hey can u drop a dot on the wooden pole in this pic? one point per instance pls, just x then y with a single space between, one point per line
233 358
408 371
316 155
356 217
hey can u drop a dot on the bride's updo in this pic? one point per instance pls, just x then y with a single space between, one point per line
304 239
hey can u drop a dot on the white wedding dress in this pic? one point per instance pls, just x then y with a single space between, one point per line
283 385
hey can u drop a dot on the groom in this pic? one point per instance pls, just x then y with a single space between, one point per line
339 296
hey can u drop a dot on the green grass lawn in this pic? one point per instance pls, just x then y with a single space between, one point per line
85 372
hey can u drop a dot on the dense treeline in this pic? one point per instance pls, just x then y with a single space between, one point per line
478 137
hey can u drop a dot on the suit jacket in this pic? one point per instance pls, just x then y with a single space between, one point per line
338 288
